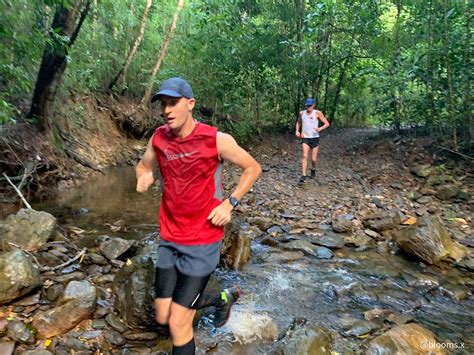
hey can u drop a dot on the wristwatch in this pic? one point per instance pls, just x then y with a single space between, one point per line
233 201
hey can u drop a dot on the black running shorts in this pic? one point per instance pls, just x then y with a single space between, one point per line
311 142
182 271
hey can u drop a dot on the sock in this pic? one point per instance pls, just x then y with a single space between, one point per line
186 349
212 299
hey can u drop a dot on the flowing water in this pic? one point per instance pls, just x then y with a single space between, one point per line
278 293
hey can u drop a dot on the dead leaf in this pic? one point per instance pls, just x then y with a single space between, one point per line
409 221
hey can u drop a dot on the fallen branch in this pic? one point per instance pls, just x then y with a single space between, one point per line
70 261
18 192
51 268
454 152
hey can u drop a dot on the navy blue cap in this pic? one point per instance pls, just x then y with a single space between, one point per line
309 102
174 87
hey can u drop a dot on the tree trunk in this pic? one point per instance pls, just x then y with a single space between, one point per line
299 6
340 81
395 58
452 105
162 54
53 63
123 71
467 112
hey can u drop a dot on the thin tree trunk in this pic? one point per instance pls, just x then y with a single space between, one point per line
452 105
299 25
328 73
162 54
395 65
54 61
123 71
431 84
469 136
340 81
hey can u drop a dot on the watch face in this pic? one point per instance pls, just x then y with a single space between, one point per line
233 201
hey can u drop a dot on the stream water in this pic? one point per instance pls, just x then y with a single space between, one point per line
280 292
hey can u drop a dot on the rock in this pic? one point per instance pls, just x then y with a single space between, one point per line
141 336
77 275
456 292
467 264
7 348
37 352
274 231
301 245
114 338
429 240
133 289
54 291
17 276
377 313
76 345
332 241
323 253
383 221
305 340
114 247
372 234
361 328
28 229
116 323
235 251
18 331
405 339
76 304
270 241
447 192
342 223
92 258
423 170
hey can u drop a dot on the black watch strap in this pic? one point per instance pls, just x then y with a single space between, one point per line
233 201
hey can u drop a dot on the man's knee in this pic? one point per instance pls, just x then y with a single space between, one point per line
305 156
162 317
179 324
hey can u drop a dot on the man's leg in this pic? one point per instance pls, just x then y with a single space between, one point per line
165 282
314 160
304 161
181 325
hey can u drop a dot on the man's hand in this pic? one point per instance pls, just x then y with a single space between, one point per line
299 135
145 181
317 129
221 215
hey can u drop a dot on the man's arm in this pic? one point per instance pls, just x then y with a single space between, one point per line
323 119
145 167
298 126
229 150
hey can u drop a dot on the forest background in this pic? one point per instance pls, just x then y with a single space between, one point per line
389 63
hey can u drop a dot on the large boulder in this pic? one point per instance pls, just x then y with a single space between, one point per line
307 341
28 229
383 221
235 251
405 339
114 247
429 240
133 289
76 304
17 276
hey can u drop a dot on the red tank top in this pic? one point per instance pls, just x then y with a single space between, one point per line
191 177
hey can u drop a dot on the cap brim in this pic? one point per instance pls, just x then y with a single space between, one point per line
165 93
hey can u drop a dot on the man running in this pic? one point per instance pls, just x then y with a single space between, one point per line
307 128
193 211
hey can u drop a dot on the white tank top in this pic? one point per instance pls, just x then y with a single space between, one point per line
310 122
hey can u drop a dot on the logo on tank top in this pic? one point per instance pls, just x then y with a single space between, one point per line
177 156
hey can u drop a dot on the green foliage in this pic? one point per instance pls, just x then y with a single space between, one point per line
394 63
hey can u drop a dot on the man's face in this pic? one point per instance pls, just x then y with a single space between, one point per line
176 110
309 108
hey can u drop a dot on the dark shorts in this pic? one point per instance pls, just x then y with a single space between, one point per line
182 271
311 142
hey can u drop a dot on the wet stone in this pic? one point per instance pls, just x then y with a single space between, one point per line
77 275
142 336
323 253
54 291
76 344
331 241
275 230
116 323
18 331
361 328
114 247
93 258
456 292
114 338
100 324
